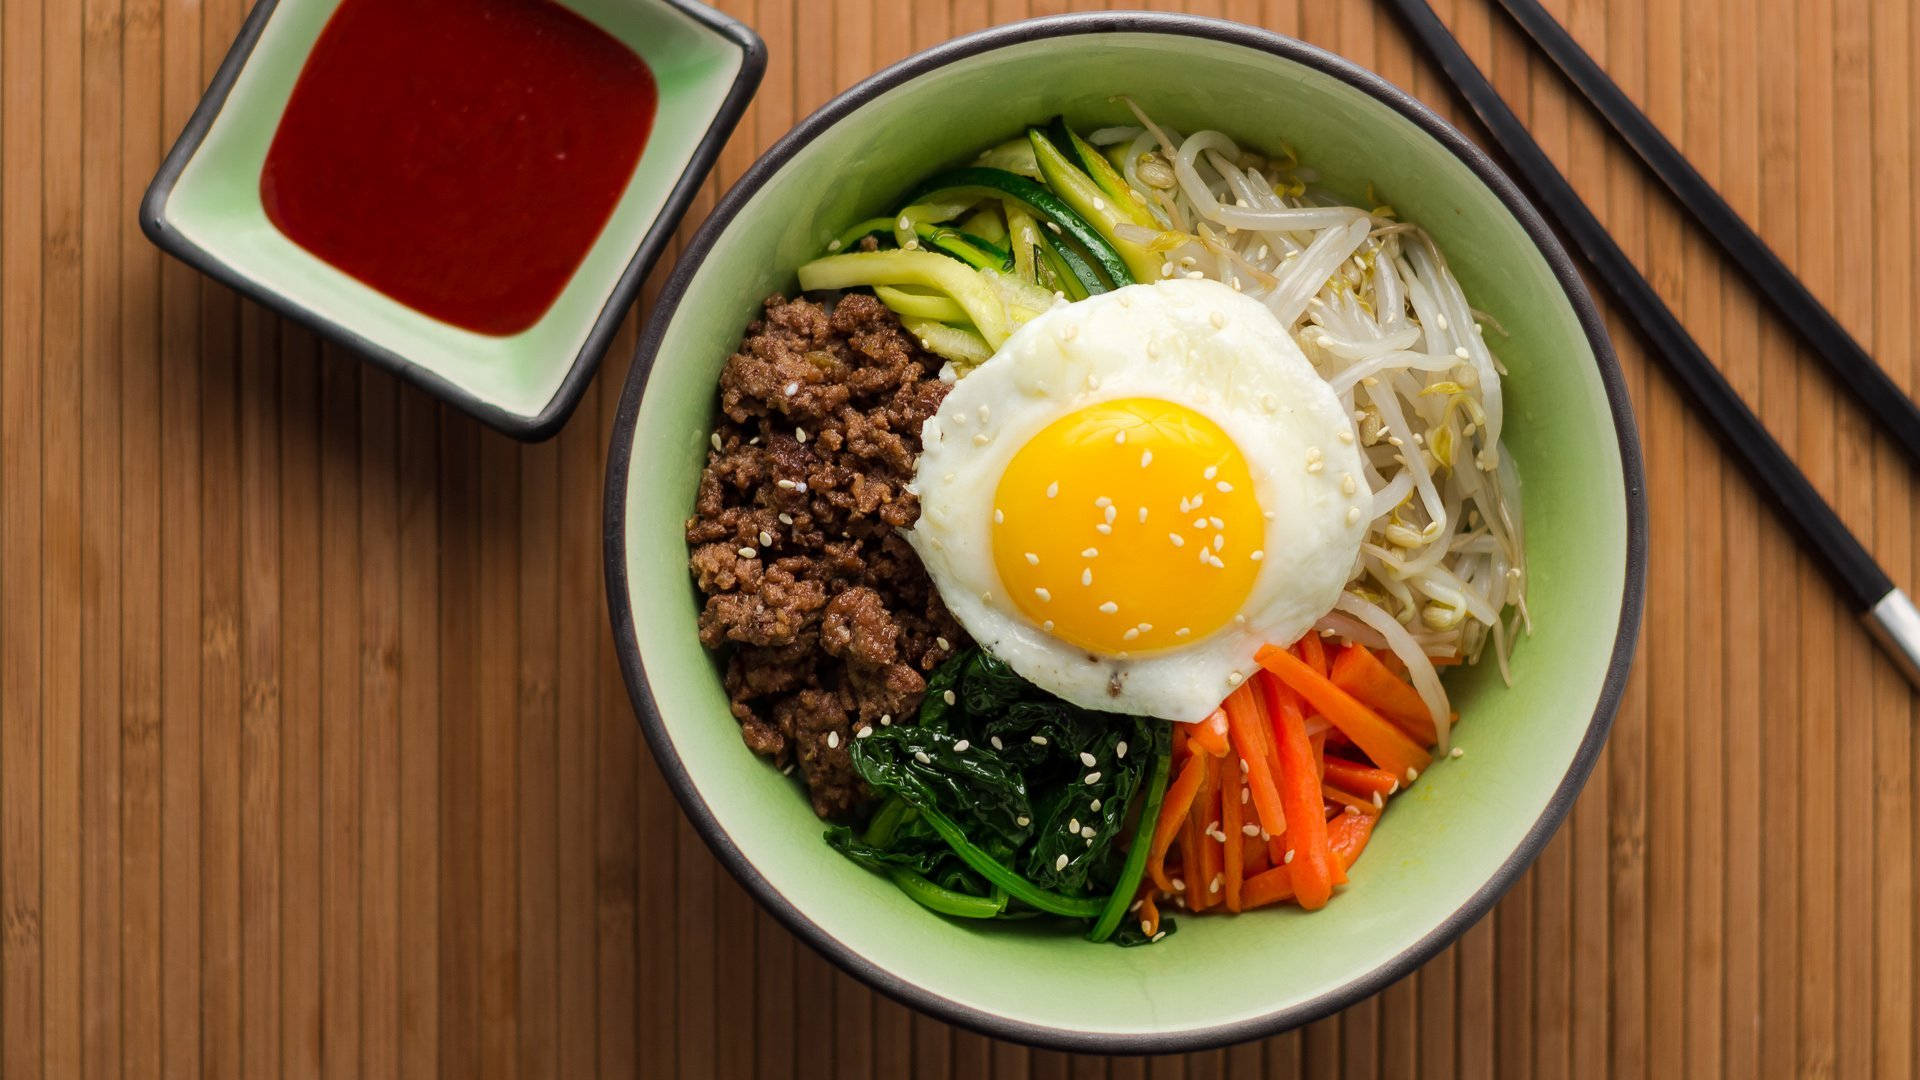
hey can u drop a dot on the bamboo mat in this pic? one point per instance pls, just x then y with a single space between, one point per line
316 760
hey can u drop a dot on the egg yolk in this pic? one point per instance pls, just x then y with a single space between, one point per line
1128 526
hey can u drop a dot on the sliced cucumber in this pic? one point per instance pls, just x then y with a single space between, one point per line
1071 273
1126 201
969 287
1023 236
920 305
1049 207
1014 155
1087 199
966 349
850 240
968 248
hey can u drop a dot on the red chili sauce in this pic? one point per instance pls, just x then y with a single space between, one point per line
459 156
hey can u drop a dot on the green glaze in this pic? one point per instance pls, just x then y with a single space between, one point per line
1442 841
216 203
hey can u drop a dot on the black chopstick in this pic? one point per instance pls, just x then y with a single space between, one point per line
1849 362
1889 614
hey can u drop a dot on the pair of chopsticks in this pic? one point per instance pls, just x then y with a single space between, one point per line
1888 613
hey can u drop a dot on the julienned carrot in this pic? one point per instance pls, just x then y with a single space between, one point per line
1382 741
1149 915
1173 813
1360 779
1361 674
1346 798
1190 841
1206 817
1234 851
1243 723
1300 795
1319 740
1347 835
1211 734
1313 651
1268 887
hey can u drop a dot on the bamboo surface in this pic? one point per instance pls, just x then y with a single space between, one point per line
316 761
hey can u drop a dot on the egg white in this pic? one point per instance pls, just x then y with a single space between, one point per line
1197 343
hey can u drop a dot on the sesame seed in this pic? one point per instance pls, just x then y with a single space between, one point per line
1143 515
1146 927
1032 559
1412 774
1439 321
1061 862
1120 750
886 719
1086 577
835 244
865 730
1146 628
1249 829
1055 226
1210 472
1257 555
1186 506
1023 821
1199 523
1094 805
1182 631
1218 320
1377 804
1348 485
1353 515
766 538
1047 626
1246 796
1223 486
799 485
922 758
833 740
788 771
947 696
961 746
1093 778
1158 936
747 553
999 516
715 440
1179 885
1045 596
1053 489
800 434
994 741
1287 860
1089 832
1103 529
1195 275
1199 500
1461 352
1090 553
1234 678
1146 458
786 518
786 484
1119 438
1354 810
982 439
792 389
1345 436
1037 740
1086 759
1131 634
1166 269
1112 512
1219 541
1109 608
944 644
1456 752
1099 204
1214 885
1102 503
1073 825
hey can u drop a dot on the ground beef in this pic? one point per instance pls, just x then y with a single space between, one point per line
827 618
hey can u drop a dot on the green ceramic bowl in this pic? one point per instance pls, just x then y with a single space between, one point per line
1453 843
204 207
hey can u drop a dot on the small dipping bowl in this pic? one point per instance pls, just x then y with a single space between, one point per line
204 206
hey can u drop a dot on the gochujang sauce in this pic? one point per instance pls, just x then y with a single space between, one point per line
460 156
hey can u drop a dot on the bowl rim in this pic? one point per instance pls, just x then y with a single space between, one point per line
1353 989
544 424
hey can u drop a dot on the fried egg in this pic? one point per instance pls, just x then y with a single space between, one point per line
1136 492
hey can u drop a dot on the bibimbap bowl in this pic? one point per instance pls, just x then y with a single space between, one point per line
1454 842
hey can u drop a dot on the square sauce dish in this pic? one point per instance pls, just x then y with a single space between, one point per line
467 192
